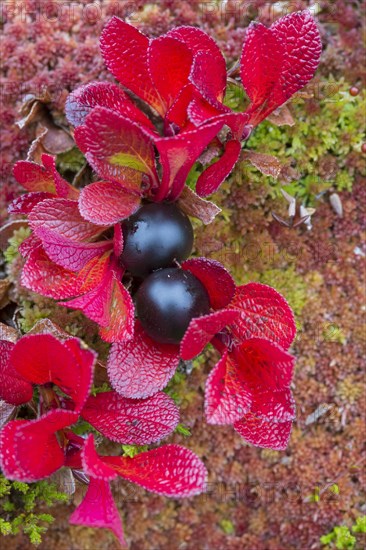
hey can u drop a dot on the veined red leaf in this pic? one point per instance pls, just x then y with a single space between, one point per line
264 314
170 470
132 421
117 148
215 278
279 61
102 94
169 62
227 397
63 188
62 216
274 405
264 364
106 203
34 177
13 388
121 321
201 330
25 203
140 367
43 276
70 254
124 51
259 432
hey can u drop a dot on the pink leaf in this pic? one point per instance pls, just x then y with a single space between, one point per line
141 367
13 388
68 253
215 278
177 156
216 173
98 509
92 463
29 449
169 62
170 470
259 432
201 330
102 94
43 276
106 203
29 244
25 203
132 421
277 62
227 398
63 188
117 148
264 314
124 51
62 216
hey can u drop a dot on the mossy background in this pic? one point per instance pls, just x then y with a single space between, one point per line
257 499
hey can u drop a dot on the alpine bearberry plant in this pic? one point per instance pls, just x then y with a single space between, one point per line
118 251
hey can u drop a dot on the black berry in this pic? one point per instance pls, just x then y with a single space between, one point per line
154 237
167 301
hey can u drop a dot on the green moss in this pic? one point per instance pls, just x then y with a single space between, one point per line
227 526
70 161
19 505
133 450
19 235
333 128
29 315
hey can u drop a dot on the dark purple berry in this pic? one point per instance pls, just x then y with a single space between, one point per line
154 237
167 301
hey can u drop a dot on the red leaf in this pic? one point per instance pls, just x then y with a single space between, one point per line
227 398
265 366
124 51
201 330
41 359
92 463
96 303
98 509
106 203
121 322
195 206
215 278
13 388
70 254
132 421
25 203
177 156
277 62
170 470
141 367
33 177
62 216
29 244
117 148
169 62
29 449
264 314
274 406
63 188
259 432
43 276
216 173
102 94
209 70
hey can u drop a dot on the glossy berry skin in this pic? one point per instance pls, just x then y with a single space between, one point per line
167 301
154 237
